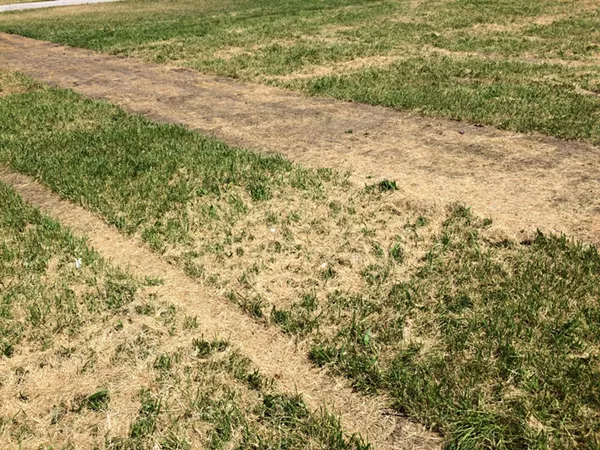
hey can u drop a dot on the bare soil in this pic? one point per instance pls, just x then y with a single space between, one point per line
523 182
272 353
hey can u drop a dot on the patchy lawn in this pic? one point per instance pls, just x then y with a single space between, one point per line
493 343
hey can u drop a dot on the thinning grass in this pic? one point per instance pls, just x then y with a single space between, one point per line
11 83
53 285
67 314
492 342
523 66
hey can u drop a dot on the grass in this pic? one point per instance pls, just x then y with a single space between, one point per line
522 66
494 344
491 342
44 297
127 355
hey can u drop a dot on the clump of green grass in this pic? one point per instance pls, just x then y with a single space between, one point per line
525 66
383 186
98 401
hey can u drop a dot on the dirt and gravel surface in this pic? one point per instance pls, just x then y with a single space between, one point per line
523 182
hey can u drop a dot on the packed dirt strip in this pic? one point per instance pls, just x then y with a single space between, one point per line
274 354
523 182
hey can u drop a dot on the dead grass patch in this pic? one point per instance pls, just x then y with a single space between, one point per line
15 83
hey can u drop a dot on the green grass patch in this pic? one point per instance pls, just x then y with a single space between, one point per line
493 343
523 66
163 169
514 96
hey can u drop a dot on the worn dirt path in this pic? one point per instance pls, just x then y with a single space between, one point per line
273 353
523 182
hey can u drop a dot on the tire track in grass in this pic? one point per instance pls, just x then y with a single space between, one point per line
273 354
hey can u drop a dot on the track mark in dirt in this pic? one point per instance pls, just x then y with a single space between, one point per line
274 354
523 182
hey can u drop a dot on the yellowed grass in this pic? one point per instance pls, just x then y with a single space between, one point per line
13 83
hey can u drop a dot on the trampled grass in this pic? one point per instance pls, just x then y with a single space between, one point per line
524 66
493 343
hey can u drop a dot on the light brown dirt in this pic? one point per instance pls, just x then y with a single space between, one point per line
275 355
523 182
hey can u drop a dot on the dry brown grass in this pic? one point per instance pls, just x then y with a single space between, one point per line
14 83
341 68
160 381
274 355
41 389
293 245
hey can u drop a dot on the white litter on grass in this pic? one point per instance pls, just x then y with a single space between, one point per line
323 266
78 263
49 4
273 230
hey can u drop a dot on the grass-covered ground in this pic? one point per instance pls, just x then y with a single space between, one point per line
520 65
491 342
92 358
